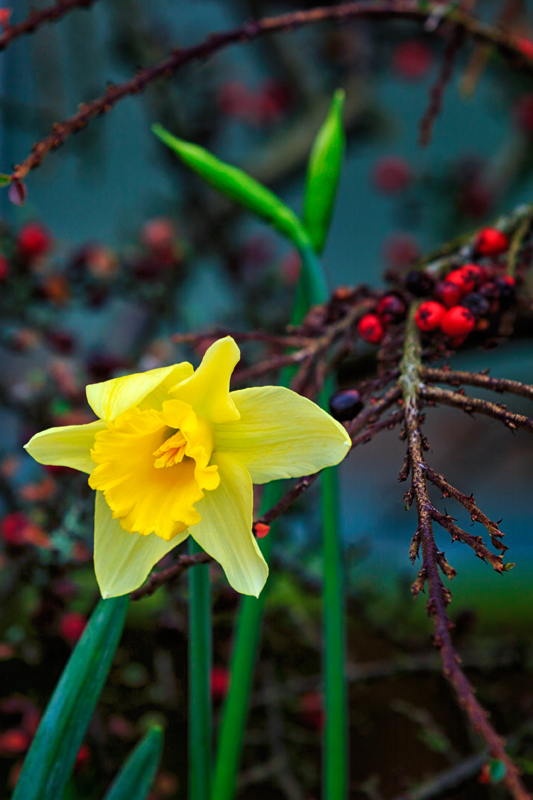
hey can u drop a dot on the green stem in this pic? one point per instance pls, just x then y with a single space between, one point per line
335 758
312 288
199 679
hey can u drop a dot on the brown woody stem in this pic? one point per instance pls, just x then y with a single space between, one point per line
473 405
457 378
439 596
38 17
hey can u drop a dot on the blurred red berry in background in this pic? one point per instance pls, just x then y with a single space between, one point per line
412 60
312 713
33 240
391 175
14 742
71 626
525 46
4 268
220 680
158 233
524 113
400 250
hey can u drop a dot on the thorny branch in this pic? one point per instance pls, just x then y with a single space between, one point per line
460 21
38 17
473 405
439 595
484 381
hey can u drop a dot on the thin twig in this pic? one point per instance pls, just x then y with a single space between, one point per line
374 9
467 502
500 385
473 405
158 579
436 95
38 17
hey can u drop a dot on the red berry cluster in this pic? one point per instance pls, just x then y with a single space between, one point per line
463 300
372 326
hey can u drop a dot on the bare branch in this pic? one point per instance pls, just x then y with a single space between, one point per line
372 9
473 405
499 385
439 595
38 17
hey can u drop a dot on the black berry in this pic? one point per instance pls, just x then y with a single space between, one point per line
345 405
391 308
476 303
419 284
506 291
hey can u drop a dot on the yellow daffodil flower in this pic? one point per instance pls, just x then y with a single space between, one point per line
175 452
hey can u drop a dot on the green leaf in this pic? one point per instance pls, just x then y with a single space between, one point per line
136 777
323 173
237 185
5 180
53 752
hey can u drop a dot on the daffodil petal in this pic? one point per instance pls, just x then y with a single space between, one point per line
225 528
123 560
207 391
67 446
145 389
281 434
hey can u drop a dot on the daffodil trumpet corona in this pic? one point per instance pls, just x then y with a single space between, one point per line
174 453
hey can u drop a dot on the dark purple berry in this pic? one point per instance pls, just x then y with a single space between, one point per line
506 291
345 405
391 308
476 303
419 284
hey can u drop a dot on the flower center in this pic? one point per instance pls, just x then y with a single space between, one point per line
171 452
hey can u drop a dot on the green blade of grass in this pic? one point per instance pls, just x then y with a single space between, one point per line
135 779
200 731
52 755
335 755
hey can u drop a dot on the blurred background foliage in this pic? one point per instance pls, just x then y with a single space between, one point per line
118 247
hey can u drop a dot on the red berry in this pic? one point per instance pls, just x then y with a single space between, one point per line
391 175
4 268
33 240
412 60
524 114
83 759
261 530
458 321
13 528
429 315
491 242
220 680
391 308
448 293
370 328
463 282
473 273
13 742
71 626
525 46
